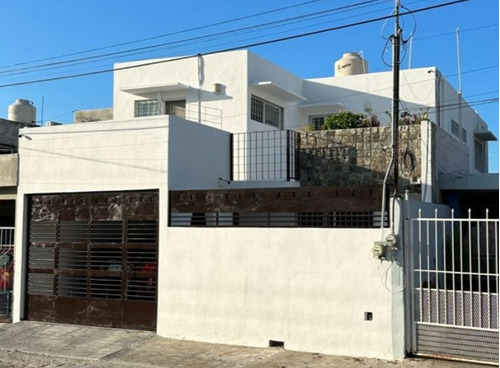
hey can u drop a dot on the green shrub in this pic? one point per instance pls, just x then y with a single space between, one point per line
347 120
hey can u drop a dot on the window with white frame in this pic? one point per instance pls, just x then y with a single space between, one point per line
146 108
479 163
266 112
152 108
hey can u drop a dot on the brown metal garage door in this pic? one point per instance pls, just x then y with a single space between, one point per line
92 259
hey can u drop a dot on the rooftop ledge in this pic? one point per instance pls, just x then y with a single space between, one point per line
152 88
485 136
278 91
338 105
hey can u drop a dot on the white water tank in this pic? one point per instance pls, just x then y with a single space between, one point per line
22 111
350 64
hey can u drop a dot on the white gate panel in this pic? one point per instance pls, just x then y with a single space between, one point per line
455 288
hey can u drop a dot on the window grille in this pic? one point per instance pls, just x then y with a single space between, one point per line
146 108
266 112
464 135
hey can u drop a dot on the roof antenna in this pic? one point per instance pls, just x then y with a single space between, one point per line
410 52
459 63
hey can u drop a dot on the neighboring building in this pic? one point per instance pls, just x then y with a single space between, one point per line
85 116
9 160
9 132
201 213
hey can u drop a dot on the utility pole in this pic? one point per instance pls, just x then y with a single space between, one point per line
396 44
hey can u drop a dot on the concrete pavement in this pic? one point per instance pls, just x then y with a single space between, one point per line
108 347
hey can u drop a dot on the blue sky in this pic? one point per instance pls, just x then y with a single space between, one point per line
35 30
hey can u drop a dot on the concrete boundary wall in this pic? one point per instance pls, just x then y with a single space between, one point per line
309 288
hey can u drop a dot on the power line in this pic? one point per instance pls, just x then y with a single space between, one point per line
454 32
167 34
261 43
262 26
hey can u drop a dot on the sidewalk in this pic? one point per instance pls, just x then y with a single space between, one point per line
59 345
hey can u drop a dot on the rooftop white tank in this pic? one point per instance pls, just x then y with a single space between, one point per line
22 111
350 64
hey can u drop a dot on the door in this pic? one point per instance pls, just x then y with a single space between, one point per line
92 259
454 288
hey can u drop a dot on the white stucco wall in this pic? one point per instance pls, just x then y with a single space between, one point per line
199 154
374 91
102 156
226 110
454 107
308 288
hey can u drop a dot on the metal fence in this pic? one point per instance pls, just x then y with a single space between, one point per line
266 155
329 207
455 285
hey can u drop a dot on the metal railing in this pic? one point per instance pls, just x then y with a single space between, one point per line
326 207
265 155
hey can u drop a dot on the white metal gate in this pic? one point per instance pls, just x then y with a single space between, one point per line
454 289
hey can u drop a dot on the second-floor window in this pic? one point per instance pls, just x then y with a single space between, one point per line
317 121
266 112
464 135
455 128
152 108
146 108
479 161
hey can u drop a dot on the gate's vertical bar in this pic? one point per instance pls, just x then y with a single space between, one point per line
420 288
428 266
480 295
497 248
462 271
471 311
436 264
452 248
445 273
488 291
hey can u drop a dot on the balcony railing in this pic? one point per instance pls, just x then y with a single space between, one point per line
266 155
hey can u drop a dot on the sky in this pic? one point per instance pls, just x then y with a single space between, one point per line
58 38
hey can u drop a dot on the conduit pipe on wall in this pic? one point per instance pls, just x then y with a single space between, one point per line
384 185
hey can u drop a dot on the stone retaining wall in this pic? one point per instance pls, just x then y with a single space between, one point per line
358 156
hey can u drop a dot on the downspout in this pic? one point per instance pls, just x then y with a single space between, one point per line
200 82
438 98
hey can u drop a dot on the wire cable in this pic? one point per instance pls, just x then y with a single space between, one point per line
198 39
227 21
262 43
